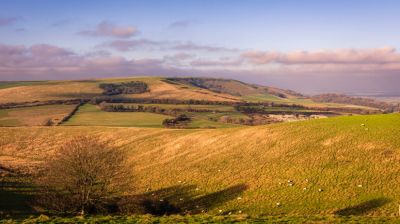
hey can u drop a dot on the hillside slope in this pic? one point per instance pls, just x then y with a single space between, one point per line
234 87
343 165
190 88
18 92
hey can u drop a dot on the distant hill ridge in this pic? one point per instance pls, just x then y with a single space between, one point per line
233 87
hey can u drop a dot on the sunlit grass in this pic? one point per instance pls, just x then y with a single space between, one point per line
333 163
34 116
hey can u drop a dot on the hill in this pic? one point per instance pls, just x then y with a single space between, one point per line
18 92
209 102
343 166
209 89
340 98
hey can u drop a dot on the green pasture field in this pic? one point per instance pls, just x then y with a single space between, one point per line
91 115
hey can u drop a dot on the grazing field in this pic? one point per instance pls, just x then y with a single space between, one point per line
34 116
337 166
90 115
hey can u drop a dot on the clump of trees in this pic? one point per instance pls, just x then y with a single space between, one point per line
133 87
340 98
86 175
179 122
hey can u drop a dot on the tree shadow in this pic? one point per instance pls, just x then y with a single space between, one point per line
16 193
178 200
364 207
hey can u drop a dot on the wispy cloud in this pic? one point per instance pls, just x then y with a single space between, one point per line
61 23
217 63
190 46
182 24
43 61
339 56
54 62
20 30
7 21
180 56
128 45
110 29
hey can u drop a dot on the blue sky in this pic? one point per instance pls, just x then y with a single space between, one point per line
251 40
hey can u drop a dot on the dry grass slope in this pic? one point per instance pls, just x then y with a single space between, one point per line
55 90
64 90
34 116
344 165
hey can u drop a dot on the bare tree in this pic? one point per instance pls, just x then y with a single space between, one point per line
85 175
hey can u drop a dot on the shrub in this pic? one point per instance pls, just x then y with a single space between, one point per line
49 122
86 175
124 88
180 121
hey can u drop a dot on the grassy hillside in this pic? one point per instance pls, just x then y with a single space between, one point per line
344 165
64 90
52 90
34 116
207 89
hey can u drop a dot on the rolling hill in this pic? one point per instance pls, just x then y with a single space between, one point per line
342 166
210 89
225 160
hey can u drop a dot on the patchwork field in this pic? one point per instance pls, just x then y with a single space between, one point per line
340 166
90 115
222 164
34 116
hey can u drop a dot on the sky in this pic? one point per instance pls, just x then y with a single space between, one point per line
309 46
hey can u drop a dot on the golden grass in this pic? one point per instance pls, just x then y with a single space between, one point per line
62 90
163 90
34 116
336 155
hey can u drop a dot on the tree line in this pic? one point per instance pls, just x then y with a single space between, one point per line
152 109
133 87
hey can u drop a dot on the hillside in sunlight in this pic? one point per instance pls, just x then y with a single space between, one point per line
344 165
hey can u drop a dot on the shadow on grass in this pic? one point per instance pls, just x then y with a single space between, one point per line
178 200
15 196
364 207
